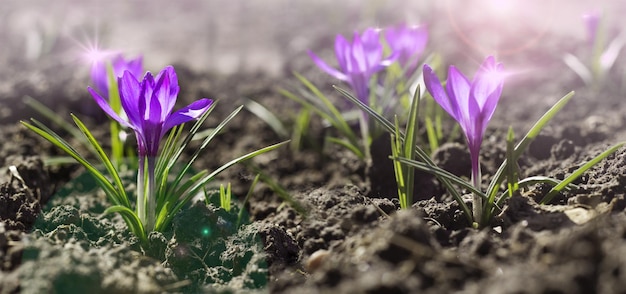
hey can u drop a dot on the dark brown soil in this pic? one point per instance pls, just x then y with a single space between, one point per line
352 237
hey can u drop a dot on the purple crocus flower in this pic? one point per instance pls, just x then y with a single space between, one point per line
592 21
471 104
120 65
148 105
409 43
358 61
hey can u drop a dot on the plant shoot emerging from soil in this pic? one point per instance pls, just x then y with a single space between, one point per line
472 105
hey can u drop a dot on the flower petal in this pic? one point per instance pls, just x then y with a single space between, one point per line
487 88
185 114
458 89
107 108
130 91
325 67
342 48
99 78
372 47
433 85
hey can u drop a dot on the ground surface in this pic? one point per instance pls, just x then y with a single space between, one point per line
353 238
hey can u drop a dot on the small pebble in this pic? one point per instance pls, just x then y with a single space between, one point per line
316 260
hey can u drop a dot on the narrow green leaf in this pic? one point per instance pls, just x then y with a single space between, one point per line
347 144
53 138
132 220
498 177
245 200
420 153
53 117
267 116
442 173
579 172
204 144
123 199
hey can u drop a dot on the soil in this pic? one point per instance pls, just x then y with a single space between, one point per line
347 233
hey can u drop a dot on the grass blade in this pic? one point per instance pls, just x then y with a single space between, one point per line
579 172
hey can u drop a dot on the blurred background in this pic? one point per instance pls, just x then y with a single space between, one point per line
228 36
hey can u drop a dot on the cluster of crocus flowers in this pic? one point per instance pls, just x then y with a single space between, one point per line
148 105
471 104
360 59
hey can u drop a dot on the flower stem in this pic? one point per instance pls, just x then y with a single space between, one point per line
141 181
150 222
477 201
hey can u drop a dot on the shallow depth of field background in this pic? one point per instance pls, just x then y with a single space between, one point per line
227 36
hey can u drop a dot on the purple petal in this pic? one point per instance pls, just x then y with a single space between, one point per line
342 48
160 96
458 89
185 114
99 78
433 85
130 91
358 60
487 88
169 96
107 108
373 49
325 67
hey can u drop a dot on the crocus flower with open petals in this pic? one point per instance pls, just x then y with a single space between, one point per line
120 65
409 42
358 61
471 104
149 104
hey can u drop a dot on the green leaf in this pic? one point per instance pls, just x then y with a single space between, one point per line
53 138
188 193
579 172
123 199
131 219
204 144
419 152
498 177
347 144
442 173
267 116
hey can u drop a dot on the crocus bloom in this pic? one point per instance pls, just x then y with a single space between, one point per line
99 75
148 105
408 42
358 61
471 104
592 21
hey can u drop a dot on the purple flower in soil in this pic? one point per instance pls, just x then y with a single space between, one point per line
120 65
358 61
409 43
149 104
471 104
